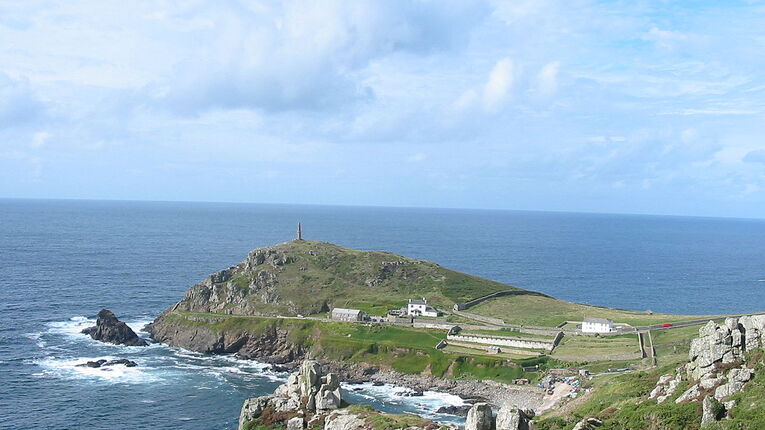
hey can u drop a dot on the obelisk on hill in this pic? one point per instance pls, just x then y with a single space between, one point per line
299 232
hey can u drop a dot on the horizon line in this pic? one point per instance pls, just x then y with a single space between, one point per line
371 206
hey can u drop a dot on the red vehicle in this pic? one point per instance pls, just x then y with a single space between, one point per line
666 325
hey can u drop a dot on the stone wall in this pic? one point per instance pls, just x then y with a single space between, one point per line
515 343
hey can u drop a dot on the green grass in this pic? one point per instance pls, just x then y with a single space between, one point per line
405 349
545 311
584 346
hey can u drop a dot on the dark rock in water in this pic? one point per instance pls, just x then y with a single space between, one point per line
124 361
461 411
94 364
410 394
111 330
104 363
378 384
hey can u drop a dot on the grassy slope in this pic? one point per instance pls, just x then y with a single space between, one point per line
323 272
545 311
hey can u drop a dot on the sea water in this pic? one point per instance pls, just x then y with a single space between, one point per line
62 261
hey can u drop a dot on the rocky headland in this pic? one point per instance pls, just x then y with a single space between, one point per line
109 329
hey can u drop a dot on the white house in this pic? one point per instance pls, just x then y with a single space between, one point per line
340 314
597 325
420 308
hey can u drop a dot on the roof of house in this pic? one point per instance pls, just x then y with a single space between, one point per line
598 320
343 311
418 302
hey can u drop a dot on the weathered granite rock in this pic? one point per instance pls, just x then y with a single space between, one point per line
588 424
296 423
753 330
708 414
320 392
479 417
512 418
666 387
343 421
690 395
715 345
111 330
736 378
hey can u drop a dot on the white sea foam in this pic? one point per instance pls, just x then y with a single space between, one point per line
68 368
425 405
71 328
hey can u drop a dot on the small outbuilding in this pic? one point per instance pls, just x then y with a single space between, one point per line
597 325
353 315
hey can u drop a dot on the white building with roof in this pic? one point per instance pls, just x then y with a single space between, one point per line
341 314
417 308
597 325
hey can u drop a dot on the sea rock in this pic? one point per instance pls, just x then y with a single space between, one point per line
105 363
111 330
461 411
479 417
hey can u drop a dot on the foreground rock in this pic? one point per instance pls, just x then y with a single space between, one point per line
308 399
716 369
111 330
480 417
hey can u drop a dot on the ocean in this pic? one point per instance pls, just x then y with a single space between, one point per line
62 261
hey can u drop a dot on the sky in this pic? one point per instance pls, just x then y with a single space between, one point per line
653 107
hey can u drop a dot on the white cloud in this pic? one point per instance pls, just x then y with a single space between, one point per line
497 89
39 139
547 80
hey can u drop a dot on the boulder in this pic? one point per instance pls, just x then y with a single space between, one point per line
711 411
111 330
479 417
588 424
512 418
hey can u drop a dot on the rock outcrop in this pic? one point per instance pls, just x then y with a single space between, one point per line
111 330
308 399
716 368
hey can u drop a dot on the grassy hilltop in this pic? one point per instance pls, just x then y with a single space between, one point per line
307 277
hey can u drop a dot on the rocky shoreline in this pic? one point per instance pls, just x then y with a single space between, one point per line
495 393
